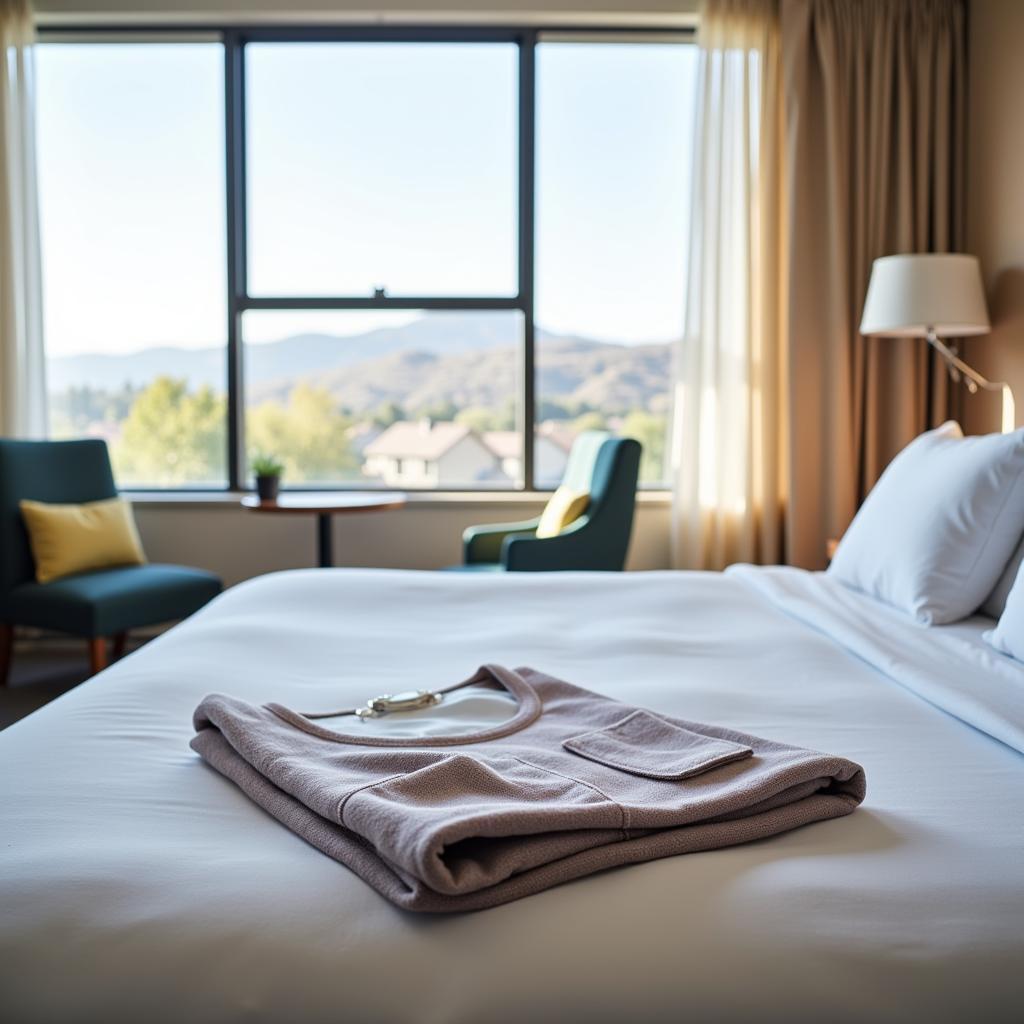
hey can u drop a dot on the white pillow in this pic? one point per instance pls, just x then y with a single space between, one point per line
1008 636
940 525
996 601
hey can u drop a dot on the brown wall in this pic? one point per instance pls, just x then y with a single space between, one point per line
995 204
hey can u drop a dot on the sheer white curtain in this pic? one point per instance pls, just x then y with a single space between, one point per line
22 365
729 439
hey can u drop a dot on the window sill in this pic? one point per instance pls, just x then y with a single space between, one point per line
417 500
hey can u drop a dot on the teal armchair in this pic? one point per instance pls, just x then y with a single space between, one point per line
95 605
605 466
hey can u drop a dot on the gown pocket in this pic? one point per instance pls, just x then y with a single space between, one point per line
644 744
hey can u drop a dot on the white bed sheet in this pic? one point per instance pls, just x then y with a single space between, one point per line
137 884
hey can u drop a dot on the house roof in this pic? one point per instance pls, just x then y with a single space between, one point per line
557 433
417 439
504 443
424 439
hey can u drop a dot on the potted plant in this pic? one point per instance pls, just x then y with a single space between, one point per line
268 472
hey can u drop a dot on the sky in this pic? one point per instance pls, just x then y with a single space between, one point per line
369 165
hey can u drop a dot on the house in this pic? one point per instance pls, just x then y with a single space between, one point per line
550 451
422 453
507 448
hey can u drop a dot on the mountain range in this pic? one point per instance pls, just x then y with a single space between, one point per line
470 359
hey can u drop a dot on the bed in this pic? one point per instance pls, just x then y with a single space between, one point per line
138 884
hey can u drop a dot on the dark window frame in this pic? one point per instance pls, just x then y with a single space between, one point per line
234 41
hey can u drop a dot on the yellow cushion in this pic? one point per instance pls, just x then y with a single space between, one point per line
564 507
66 539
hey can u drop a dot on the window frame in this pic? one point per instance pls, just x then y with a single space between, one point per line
234 40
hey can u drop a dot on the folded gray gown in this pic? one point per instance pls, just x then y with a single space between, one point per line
573 783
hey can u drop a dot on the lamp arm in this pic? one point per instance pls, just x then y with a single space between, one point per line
974 379
954 360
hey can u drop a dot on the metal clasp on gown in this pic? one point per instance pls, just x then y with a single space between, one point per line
407 700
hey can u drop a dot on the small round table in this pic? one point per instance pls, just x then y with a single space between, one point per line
324 504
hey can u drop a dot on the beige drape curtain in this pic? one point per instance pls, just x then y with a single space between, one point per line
831 132
874 95
728 431
22 363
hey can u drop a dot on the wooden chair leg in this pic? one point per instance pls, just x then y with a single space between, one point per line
119 642
6 650
97 654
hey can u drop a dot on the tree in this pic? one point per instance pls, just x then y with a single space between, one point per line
589 421
651 430
83 409
553 409
442 411
309 434
480 418
388 413
505 417
476 418
171 436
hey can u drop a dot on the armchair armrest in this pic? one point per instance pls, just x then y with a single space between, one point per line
484 543
575 547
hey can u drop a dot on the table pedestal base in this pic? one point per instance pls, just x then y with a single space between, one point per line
325 505
325 541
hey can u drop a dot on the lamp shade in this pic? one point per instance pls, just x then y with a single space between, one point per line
910 295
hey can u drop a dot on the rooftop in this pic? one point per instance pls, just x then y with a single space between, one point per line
427 439
418 439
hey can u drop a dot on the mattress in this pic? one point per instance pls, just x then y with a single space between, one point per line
138 884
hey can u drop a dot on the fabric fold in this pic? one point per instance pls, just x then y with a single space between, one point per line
477 823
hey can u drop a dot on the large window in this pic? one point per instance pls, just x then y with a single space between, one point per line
403 399
395 259
382 165
614 124
131 181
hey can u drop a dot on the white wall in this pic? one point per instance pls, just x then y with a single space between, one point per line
237 544
465 463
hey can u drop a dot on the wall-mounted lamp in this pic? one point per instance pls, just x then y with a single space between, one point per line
933 296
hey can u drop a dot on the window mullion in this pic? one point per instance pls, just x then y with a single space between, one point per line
234 124
526 244
451 302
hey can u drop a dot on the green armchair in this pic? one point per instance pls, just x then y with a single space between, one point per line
95 605
606 467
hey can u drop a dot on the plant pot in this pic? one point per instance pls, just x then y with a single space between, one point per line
267 487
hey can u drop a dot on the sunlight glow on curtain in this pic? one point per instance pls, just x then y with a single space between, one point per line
22 363
728 428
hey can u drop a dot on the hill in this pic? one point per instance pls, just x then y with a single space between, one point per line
466 359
